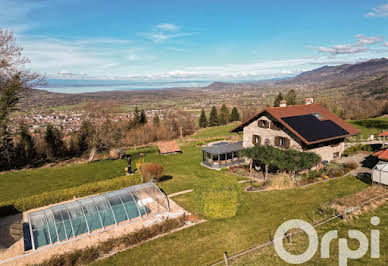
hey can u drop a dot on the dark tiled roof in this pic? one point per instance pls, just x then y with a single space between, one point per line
279 113
166 147
222 148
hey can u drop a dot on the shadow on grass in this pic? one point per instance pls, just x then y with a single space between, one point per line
165 178
369 162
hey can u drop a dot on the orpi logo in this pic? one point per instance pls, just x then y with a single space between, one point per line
344 253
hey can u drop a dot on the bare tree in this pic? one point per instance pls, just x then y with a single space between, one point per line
15 81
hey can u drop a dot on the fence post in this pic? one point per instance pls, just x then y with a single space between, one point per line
226 258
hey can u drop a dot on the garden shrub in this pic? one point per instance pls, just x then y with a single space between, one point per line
357 148
217 197
351 165
90 254
51 197
151 172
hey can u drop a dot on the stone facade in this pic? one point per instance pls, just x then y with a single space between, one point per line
327 150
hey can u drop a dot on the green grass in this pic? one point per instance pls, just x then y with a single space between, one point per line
258 216
184 169
268 255
35 181
371 126
212 132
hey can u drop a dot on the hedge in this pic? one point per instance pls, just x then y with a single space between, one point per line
90 254
217 197
51 197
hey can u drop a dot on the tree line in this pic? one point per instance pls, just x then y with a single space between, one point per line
218 118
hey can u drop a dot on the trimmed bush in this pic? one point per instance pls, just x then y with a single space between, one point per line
46 198
217 197
151 172
90 254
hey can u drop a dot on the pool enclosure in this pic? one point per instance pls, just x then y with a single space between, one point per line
222 154
68 221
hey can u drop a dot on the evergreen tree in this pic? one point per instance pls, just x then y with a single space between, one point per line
278 99
213 117
85 136
53 139
203 119
234 116
224 115
136 118
143 118
26 147
156 120
291 97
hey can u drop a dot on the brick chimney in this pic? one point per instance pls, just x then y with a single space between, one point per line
309 100
283 103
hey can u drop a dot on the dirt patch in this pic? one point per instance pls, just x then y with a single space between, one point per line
358 203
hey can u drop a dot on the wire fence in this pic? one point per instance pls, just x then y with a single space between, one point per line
227 259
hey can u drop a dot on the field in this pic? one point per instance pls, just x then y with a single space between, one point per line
258 216
371 126
268 256
182 171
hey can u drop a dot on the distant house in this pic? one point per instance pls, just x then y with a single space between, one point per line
308 127
168 147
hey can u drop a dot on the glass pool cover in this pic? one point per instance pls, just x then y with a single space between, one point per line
69 220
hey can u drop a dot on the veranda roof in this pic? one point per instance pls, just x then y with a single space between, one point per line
223 148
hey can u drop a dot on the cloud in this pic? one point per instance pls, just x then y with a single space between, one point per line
386 44
14 15
97 56
164 32
352 48
343 49
167 27
368 40
254 71
380 11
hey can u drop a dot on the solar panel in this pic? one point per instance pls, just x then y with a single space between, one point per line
313 129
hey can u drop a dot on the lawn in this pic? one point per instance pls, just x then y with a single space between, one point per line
371 126
213 132
268 255
24 183
258 216
181 170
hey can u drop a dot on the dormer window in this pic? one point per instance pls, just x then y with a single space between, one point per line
263 123
317 115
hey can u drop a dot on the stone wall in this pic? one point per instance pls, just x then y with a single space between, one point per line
326 152
267 134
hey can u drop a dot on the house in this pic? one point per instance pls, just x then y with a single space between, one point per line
307 127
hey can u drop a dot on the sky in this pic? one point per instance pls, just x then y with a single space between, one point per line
148 41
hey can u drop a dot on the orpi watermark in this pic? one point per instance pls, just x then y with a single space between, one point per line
344 253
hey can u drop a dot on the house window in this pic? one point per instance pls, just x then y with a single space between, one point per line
336 155
263 123
256 140
282 142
